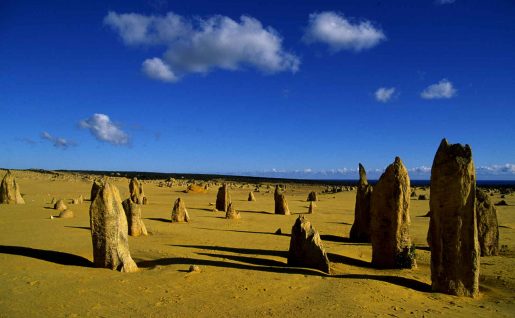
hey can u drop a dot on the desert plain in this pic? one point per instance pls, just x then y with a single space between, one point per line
46 265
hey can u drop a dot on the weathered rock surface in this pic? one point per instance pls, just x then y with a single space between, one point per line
95 187
232 213
10 191
223 198
453 226
487 225
306 248
179 212
281 205
390 219
135 224
312 196
136 191
360 230
109 231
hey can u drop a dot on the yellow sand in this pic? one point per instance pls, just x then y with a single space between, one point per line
45 263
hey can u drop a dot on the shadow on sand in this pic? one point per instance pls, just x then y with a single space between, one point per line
79 227
159 220
46 255
238 250
257 212
241 231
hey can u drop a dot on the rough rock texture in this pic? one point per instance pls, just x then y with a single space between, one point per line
109 231
311 208
179 212
487 226
312 196
390 219
136 191
452 227
281 206
66 214
223 198
251 197
135 224
95 187
360 230
232 213
306 249
60 205
10 191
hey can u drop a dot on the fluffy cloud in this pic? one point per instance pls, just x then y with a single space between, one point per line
507 169
384 94
104 129
341 33
57 142
156 69
201 45
442 89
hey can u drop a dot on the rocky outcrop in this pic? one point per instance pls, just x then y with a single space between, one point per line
251 197
453 226
487 225
312 196
135 224
109 231
281 205
390 219
10 190
360 230
136 191
306 248
60 205
223 198
95 187
179 212
232 213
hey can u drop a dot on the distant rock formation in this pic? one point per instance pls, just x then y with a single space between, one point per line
179 212
10 191
60 205
281 205
136 191
389 226
232 213
306 248
109 231
360 230
135 224
311 208
487 225
251 197
452 228
223 198
312 196
66 214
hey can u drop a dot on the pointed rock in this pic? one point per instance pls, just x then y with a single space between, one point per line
312 196
487 225
232 213
179 212
251 197
135 224
281 205
95 187
60 205
360 230
390 219
223 198
66 214
10 191
306 248
109 231
452 228
311 208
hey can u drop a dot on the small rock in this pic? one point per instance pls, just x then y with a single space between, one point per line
194 269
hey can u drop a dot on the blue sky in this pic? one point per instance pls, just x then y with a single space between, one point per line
278 88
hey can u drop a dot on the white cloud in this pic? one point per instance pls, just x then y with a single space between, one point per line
496 170
442 89
104 129
442 2
201 45
58 142
156 69
341 33
384 94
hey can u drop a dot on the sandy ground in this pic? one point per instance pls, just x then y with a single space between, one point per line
45 264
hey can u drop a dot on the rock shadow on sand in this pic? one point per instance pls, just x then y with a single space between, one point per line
241 231
160 220
238 250
56 257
